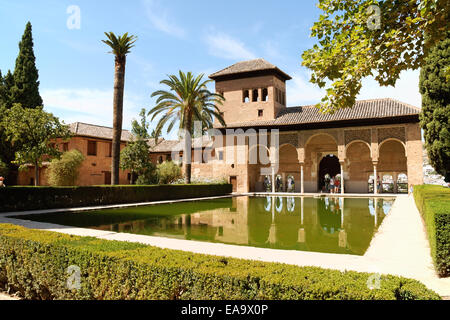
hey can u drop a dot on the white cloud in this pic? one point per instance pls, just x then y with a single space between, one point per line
161 19
224 46
89 105
406 89
299 91
302 92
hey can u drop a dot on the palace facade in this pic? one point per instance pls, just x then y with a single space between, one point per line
373 146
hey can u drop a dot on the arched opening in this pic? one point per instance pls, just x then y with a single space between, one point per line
329 167
265 95
402 183
245 96
255 95
387 184
290 183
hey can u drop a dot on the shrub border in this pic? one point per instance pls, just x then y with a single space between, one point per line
34 263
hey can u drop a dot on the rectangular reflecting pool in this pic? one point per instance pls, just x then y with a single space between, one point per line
329 225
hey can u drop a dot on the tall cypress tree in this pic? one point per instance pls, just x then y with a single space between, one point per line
26 85
6 84
435 115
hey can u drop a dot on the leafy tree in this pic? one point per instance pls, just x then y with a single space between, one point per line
168 172
32 132
120 47
25 90
7 82
435 115
361 38
136 158
136 155
65 171
140 129
3 169
187 100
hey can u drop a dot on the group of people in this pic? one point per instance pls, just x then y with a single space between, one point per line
332 184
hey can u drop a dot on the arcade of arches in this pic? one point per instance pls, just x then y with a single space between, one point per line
354 157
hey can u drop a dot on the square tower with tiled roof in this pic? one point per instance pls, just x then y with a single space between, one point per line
254 90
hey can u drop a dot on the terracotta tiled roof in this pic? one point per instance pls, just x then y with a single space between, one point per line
94 131
174 145
364 109
249 66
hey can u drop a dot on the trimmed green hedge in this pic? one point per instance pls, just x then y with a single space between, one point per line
35 263
36 198
433 203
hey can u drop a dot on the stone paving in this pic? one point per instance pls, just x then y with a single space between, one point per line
400 247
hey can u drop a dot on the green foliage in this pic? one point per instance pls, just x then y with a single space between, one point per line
356 41
140 129
168 172
6 148
120 45
136 158
34 264
136 155
3 169
32 132
433 203
187 100
26 85
435 115
12 199
64 171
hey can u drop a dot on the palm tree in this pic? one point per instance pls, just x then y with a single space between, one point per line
188 100
120 47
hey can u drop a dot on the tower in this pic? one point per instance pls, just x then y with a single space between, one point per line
254 90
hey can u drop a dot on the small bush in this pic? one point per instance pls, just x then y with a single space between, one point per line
433 203
37 198
168 172
35 263
64 171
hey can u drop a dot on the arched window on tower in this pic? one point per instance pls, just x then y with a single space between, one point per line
245 96
265 95
255 95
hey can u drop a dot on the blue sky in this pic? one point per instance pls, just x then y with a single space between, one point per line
76 72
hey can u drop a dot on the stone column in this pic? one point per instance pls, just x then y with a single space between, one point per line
302 186
375 179
342 177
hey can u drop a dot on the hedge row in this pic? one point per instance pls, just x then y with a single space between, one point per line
35 264
35 198
433 203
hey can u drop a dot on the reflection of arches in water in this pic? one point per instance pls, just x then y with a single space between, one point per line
290 204
387 204
329 215
372 206
268 205
279 204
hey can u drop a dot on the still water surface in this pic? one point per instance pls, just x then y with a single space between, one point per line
330 225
